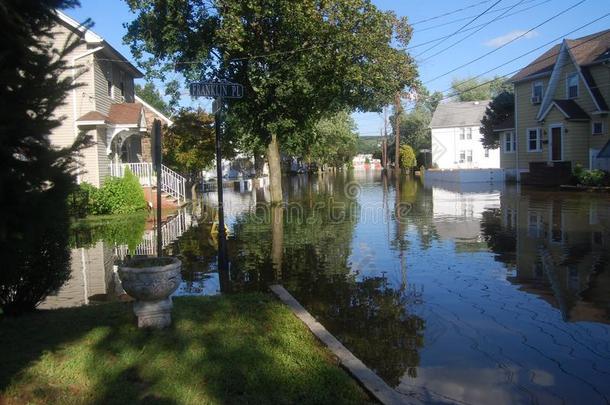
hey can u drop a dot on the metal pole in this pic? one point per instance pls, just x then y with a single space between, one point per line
222 241
157 135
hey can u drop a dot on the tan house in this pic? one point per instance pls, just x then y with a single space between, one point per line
561 112
106 107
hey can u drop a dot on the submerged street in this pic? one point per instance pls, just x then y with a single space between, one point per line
471 293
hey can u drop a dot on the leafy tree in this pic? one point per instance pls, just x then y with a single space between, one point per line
189 144
473 89
407 157
35 178
333 141
414 125
298 61
501 108
152 96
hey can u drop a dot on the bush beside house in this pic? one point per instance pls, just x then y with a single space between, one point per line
592 178
117 196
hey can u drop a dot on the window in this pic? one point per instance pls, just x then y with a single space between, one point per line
486 153
109 88
598 128
462 132
537 92
469 156
462 156
533 140
572 85
509 142
468 133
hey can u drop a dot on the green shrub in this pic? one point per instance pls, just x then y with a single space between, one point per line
120 195
585 177
117 196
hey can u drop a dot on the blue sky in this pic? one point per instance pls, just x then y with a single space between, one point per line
109 16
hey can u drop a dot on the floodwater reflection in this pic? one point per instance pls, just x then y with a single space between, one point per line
452 293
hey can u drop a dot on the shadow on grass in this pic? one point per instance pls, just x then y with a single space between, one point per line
236 349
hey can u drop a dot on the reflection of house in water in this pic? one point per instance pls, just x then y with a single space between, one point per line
563 251
458 209
91 277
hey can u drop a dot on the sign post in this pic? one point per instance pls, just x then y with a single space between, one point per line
218 91
156 158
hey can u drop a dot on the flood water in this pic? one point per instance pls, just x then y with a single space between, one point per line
470 293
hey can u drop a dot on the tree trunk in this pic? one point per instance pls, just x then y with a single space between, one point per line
275 171
277 240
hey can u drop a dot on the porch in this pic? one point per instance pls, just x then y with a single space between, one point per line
172 183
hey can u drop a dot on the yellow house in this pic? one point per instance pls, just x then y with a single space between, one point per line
561 112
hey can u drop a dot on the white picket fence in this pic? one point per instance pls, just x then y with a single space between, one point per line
172 183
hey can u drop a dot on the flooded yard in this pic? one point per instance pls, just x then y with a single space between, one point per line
471 293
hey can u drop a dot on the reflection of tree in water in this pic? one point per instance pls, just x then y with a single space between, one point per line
196 252
370 318
501 240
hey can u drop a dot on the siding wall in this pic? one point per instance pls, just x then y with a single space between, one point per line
78 101
577 138
446 147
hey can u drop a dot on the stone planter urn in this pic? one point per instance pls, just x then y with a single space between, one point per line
151 280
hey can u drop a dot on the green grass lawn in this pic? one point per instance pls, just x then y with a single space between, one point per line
246 349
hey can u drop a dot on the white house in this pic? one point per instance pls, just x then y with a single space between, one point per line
456 138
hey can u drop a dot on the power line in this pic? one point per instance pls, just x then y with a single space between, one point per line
538 61
507 43
470 16
475 26
461 28
449 13
537 48
472 33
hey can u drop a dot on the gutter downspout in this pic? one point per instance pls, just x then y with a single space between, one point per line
89 52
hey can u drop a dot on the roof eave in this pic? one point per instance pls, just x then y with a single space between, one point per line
530 77
117 56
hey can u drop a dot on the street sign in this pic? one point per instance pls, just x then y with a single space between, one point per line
216 89
425 150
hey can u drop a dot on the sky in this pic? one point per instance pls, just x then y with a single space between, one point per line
472 29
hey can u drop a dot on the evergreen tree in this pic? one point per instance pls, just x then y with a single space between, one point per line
35 178
501 108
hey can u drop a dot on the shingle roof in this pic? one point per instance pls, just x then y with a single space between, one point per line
571 109
94 116
121 114
459 114
589 49
126 113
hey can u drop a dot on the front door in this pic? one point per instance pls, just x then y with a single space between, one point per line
556 144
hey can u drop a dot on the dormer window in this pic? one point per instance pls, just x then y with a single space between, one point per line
537 92
572 85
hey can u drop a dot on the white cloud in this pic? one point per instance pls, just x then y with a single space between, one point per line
506 38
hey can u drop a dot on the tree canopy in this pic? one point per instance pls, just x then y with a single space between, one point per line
414 124
152 96
298 61
478 89
501 108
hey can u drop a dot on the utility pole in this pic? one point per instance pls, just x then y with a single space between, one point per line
385 138
397 109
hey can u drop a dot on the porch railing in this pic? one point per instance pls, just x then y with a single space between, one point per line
172 183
